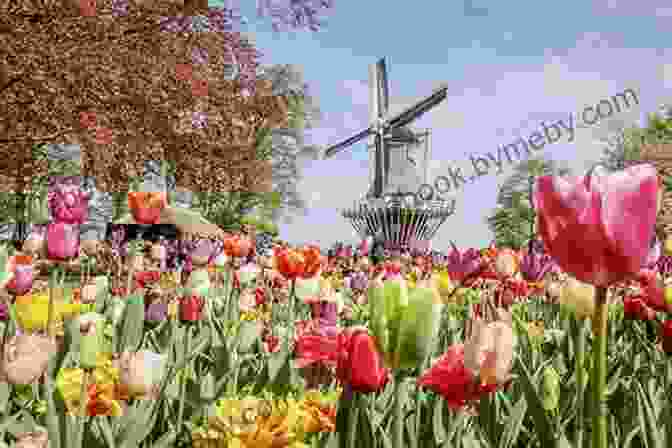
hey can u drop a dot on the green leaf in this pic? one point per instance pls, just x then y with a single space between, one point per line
514 424
542 423
249 333
647 418
440 433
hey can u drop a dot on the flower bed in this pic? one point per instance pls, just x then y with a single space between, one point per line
222 347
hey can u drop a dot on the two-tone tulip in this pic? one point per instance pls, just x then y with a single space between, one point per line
403 322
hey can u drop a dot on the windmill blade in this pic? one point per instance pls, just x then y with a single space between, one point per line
335 149
412 113
382 87
379 166
375 106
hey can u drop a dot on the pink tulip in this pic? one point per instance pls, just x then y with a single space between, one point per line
68 203
22 282
62 241
599 228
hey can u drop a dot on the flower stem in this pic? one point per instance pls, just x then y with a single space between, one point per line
579 365
183 379
398 412
50 310
599 369
353 420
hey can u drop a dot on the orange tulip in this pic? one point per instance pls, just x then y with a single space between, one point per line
146 206
305 262
237 246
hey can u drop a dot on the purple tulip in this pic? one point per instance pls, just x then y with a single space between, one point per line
62 241
328 318
67 202
157 312
4 311
359 281
664 265
536 264
462 264
203 248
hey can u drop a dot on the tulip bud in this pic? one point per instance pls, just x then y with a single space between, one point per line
550 389
578 297
25 358
92 328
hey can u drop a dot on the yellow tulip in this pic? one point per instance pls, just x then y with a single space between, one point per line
443 284
32 311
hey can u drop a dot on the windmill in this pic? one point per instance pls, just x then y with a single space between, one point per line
387 132
392 207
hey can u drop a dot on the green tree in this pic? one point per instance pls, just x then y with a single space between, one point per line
513 221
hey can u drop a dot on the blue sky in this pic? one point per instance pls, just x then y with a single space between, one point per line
507 68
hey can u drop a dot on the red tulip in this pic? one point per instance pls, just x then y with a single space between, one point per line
358 362
653 292
191 308
312 348
260 296
599 228
453 381
62 241
632 307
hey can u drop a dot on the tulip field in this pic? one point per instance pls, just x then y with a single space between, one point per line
203 343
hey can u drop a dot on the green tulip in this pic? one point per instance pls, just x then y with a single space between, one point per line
404 324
